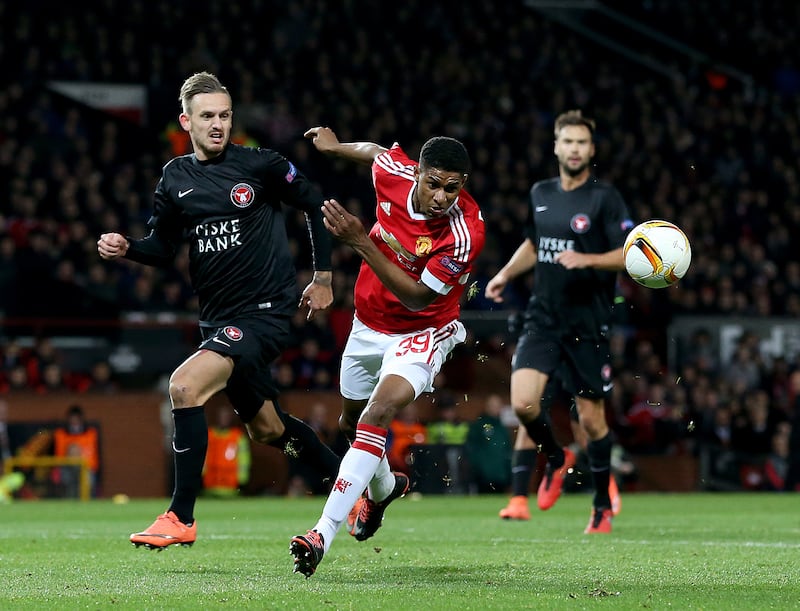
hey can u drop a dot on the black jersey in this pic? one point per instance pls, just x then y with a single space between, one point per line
229 209
591 219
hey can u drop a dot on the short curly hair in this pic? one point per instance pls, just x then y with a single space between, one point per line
446 154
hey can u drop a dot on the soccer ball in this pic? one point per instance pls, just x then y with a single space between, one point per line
657 254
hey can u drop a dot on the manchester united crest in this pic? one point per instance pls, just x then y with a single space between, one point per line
424 245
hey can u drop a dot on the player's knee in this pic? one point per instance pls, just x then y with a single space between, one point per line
183 392
595 425
527 411
592 417
595 430
379 413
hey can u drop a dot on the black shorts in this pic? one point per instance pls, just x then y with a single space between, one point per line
583 365
253 343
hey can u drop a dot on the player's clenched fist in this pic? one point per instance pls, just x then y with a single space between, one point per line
112 245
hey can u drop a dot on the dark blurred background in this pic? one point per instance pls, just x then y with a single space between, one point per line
697 110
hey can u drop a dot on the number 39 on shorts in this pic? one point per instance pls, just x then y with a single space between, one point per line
414 344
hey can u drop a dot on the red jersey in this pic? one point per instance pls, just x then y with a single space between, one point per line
439 251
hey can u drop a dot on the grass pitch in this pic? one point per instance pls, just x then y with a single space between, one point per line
676 551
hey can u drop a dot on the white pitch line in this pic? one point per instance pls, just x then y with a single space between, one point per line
660 542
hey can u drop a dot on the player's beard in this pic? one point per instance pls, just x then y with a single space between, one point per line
576 171
212 148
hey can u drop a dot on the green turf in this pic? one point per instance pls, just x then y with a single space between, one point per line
681 551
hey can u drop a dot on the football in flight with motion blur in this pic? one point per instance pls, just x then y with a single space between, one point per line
657 254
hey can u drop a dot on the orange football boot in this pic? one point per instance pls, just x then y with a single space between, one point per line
517 509
599 523
165 531
553 481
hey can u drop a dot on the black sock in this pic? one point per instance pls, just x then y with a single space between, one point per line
189 444
541 431
600 464
522 464
301 442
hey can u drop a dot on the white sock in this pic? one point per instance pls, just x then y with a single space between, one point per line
382 483
357 468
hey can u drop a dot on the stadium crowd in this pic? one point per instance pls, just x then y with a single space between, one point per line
712 149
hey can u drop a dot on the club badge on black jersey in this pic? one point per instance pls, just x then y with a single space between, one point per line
242 195
580 223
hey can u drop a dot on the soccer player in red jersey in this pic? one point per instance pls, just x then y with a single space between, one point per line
417 259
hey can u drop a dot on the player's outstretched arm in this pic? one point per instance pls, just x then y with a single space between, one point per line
523 259
613 260
326 141
348 228
152 250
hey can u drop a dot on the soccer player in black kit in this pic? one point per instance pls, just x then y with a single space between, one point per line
574 236
226 199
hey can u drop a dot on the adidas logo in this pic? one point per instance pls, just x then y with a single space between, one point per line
387 208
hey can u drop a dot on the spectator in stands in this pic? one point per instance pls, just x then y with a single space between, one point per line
760 424
448 428
101 288
17 379
744 368
228 458
449 432
780 387
77 438
319 329
405 430
701 352
718 430
52 379
488 449
102 378
655 423
716 458
8 274
284 375
776 465
12 355
309 362
43 355
323 379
